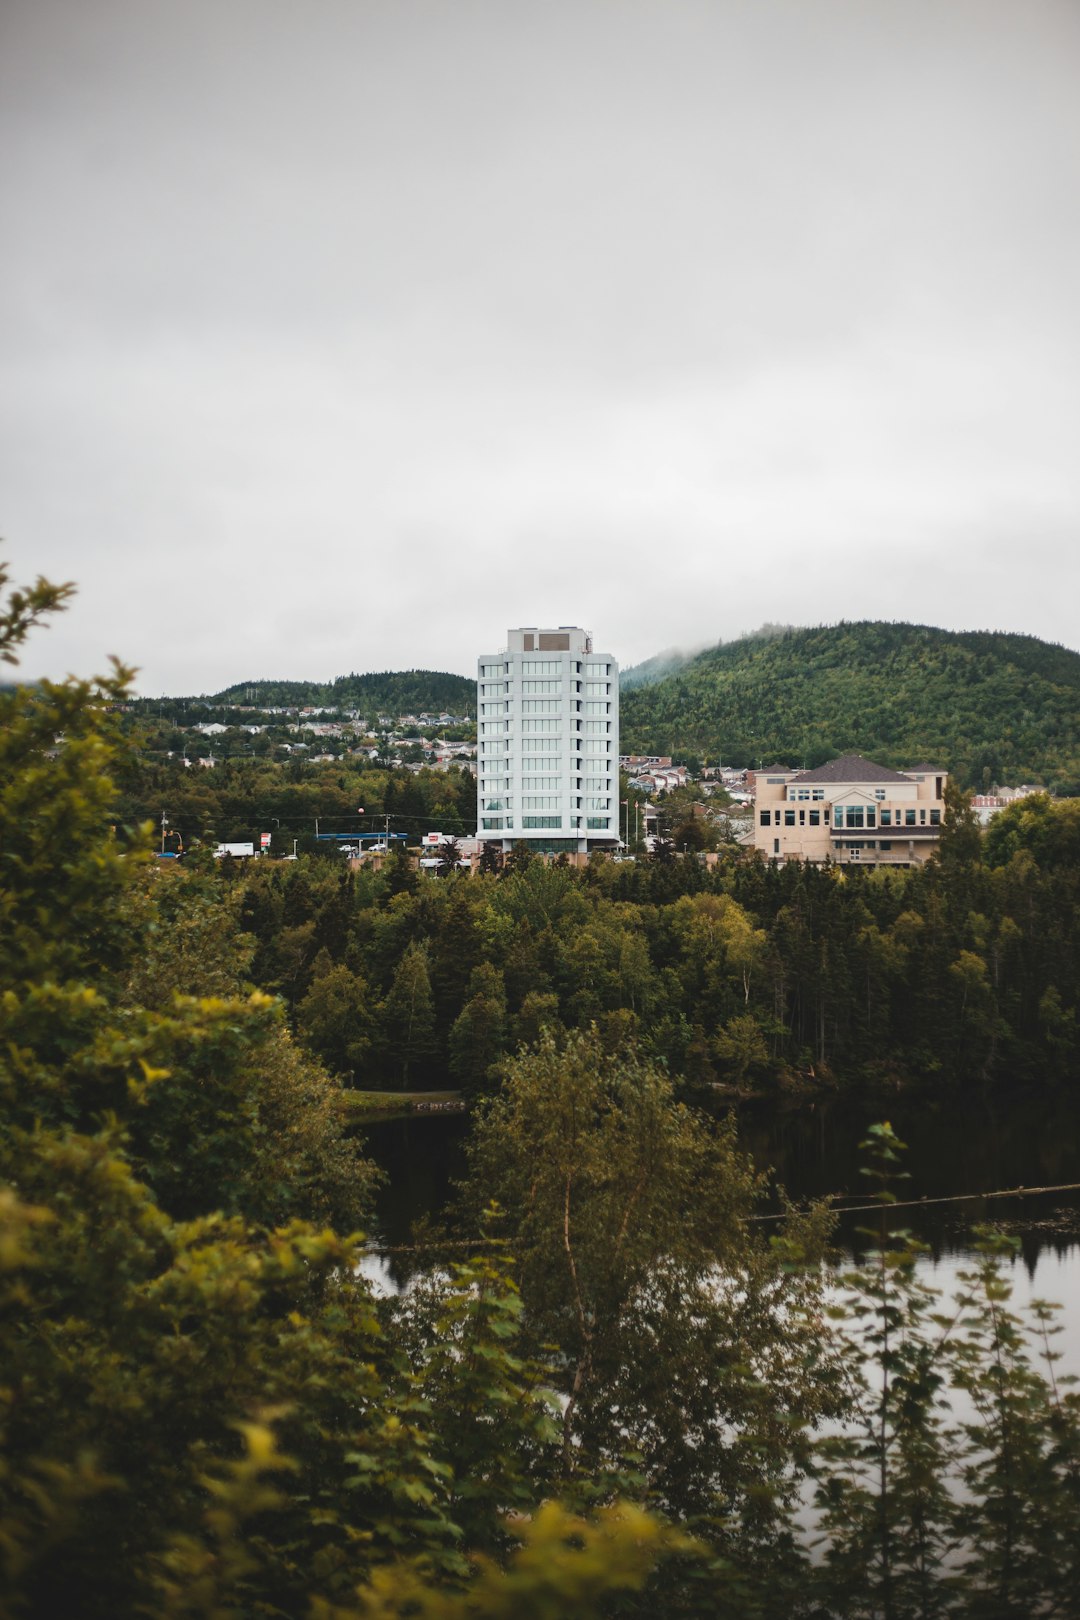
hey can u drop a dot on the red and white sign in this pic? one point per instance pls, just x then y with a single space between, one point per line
264 840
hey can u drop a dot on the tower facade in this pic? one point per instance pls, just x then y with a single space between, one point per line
548 745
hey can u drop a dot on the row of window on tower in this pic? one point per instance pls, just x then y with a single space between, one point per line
546 706
530 823
590 728
591 670
852 816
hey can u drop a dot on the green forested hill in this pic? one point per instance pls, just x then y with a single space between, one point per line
989 707
653 669
388 691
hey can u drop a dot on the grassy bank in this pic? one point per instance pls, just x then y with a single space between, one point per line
357 1104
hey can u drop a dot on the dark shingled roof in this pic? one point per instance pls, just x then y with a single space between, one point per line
852 768
925 770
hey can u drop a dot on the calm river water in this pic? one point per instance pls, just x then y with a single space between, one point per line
970 1148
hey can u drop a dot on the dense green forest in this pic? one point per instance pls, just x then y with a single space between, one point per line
654 669
954 977
391 692
610 1389
989 707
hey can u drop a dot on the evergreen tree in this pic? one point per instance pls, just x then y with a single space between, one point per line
398 874
409 1020
336 1019
478 1037
490 858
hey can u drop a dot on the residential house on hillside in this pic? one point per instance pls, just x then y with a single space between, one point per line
660 781
850 809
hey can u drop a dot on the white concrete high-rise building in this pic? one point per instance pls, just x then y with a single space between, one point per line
548 766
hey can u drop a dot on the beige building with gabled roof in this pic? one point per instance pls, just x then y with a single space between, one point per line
850 810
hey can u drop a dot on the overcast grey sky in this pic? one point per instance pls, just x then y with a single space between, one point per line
341 336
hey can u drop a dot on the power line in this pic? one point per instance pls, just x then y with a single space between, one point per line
923 1203
850 1209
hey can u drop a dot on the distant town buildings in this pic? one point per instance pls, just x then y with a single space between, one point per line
661 781
548 723
987 805
633 763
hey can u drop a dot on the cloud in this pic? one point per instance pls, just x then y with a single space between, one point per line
343 339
